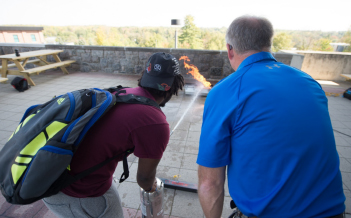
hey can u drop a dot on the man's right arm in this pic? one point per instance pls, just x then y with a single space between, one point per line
147 173
211 190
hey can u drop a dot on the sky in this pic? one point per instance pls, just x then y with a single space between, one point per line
287 15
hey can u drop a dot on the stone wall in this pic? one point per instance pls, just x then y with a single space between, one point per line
213 65
131 60
326 65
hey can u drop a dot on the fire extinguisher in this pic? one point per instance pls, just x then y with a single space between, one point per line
152 202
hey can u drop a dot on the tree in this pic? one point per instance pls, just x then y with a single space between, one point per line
113 38
154 40
81 41
347 39
100 36
190 36
281 41
214 40
66 37
323 45
50 31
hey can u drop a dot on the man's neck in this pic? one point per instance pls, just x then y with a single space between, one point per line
158 99
239 58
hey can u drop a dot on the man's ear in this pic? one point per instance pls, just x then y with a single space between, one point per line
230 51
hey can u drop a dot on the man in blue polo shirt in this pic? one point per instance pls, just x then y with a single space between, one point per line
269 125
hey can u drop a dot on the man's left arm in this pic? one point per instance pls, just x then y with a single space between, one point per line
211 190
150 142
146 173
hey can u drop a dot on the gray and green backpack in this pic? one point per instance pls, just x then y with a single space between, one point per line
35 162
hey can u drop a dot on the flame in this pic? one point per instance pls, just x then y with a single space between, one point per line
194 71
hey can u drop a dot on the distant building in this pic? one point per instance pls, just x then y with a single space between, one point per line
339 46
21 34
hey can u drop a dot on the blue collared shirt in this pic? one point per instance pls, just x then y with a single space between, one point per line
269 124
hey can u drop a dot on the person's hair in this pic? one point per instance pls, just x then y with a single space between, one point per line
178 83
250 33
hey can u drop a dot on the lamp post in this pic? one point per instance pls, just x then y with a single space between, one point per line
175 22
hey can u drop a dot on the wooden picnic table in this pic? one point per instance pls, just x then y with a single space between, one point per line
346 76
40 59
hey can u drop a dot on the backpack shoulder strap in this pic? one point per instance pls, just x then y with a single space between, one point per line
115 89
130 98
135 99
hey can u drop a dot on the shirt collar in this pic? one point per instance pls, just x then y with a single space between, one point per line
256 58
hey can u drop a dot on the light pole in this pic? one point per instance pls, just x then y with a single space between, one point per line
175 22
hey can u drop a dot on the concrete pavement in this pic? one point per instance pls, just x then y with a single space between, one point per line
179 160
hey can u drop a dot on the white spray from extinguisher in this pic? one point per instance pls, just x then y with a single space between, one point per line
152 202
186 111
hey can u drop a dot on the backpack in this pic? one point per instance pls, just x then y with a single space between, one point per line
347 94
20 84
35 162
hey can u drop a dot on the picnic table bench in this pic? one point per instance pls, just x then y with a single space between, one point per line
347 76
40 60
3 79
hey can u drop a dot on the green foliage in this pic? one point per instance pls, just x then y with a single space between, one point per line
213 40
101 37
347 39
154 40
281 41
79 35
323 45
65 37
190 37
306 40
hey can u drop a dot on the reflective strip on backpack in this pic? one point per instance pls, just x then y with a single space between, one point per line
54 128
34 145
28 118
32 148
17 172
18 128
21 125
24 160
40 140
10 136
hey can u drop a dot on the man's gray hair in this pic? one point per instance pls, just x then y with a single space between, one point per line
247 33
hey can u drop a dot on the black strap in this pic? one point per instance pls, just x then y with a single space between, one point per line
130 98
135 99
125 173
115 89
232 204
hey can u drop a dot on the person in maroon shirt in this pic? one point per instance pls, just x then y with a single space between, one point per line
124 127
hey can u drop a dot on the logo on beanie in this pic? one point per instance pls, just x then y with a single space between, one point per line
175 66
163 87
157 67
149 67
